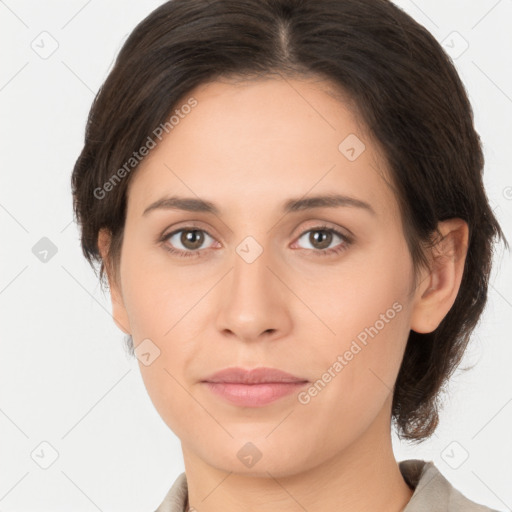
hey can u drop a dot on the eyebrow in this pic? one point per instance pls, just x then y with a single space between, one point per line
191 204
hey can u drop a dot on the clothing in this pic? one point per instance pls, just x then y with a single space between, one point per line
432 491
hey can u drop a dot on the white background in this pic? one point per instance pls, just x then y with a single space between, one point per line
65 378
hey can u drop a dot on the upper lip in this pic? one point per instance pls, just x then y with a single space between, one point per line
253 376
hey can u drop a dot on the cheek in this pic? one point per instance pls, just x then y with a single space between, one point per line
367 311
356 369
154 296
367 294
161 309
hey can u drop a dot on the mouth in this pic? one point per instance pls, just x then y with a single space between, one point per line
253 388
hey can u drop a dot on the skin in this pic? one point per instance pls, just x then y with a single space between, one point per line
247 147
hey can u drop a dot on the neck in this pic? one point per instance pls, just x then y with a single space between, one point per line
364 476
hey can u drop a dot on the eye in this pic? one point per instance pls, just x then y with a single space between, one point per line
191 240
321 237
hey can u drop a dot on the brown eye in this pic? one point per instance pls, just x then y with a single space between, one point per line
192 239
186 241
320 239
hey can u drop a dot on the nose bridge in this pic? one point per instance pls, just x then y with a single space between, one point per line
251 278
253 302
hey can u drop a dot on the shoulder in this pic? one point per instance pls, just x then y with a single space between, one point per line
176 498
432 491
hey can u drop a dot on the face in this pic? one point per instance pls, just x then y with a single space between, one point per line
321 291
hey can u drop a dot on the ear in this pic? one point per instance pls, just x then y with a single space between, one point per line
119 313
438 288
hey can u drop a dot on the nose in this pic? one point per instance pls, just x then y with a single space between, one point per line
254 301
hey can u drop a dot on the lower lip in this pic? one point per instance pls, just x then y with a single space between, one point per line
253 395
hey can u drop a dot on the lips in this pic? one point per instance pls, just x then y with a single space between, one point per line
253 388
253 376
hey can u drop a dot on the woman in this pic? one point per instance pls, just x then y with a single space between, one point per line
286 198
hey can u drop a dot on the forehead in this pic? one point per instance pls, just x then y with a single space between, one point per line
265 138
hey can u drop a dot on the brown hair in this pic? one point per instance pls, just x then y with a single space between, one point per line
406 90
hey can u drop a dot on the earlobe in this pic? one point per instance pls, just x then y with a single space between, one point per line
439 287
119 313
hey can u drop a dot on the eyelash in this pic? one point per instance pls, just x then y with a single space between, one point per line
347 241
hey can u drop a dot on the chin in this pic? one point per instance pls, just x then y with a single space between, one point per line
259 457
